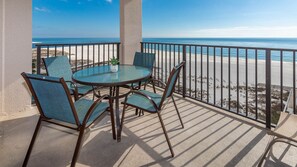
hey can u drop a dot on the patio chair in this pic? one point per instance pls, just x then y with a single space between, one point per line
55 106
145 60
60 67
285 131
154 103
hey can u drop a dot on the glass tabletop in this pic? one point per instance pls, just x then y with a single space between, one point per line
102 76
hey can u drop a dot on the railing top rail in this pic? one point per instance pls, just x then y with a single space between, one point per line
73 44
223 46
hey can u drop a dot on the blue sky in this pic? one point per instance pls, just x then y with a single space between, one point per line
168 18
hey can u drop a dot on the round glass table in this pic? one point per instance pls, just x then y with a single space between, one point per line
102 76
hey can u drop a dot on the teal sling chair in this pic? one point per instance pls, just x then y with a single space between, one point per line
144 60
154 103
60 67
56 106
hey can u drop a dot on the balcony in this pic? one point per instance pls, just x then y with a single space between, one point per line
211 137
214 134
229 97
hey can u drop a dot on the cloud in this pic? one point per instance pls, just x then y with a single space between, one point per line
109 1
41 9
273 31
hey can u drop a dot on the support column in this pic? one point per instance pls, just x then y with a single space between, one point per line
130 29
16 54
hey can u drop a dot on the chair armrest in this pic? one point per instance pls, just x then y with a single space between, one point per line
91 109
143 95
157 81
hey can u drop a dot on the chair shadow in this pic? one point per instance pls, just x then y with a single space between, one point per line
102 150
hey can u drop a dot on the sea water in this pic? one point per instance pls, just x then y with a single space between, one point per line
284 43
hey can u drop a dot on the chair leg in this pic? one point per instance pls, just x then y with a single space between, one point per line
180 119
136 111
166 136
93 92
141 112
122 120
37 128
154 88
78 146
266 151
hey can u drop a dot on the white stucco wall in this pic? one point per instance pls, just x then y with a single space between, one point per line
130 29
16 54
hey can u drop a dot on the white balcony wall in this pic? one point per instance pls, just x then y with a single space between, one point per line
16 54
130 29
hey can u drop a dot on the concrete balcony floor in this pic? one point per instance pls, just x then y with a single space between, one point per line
211 137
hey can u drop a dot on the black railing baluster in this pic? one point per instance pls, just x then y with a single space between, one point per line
104 54
88 55
155 69
69 52
93 55
281 80
178 62
166 61
207 73
237 77
98 56
55 50
222 59
229 80
47 51
246 83
256 82
118 51
201 71
38 59
195 72
190 71
214 77
294 82
268 88
82 56
62 50
159 62
162 63
108 52
184 71
75 57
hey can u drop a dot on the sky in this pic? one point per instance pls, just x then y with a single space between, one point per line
168 18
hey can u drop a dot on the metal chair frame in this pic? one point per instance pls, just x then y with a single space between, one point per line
276 138
75 93
159 108
77 127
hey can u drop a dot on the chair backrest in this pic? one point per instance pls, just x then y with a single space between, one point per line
52 97
144 59
169 89
58 67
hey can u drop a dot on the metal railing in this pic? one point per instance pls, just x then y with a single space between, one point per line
81 55
248 81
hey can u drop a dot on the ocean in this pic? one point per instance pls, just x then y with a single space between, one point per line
286 43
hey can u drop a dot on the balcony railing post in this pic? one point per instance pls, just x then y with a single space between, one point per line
118 50
38 59
184 71
268 88
141 47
